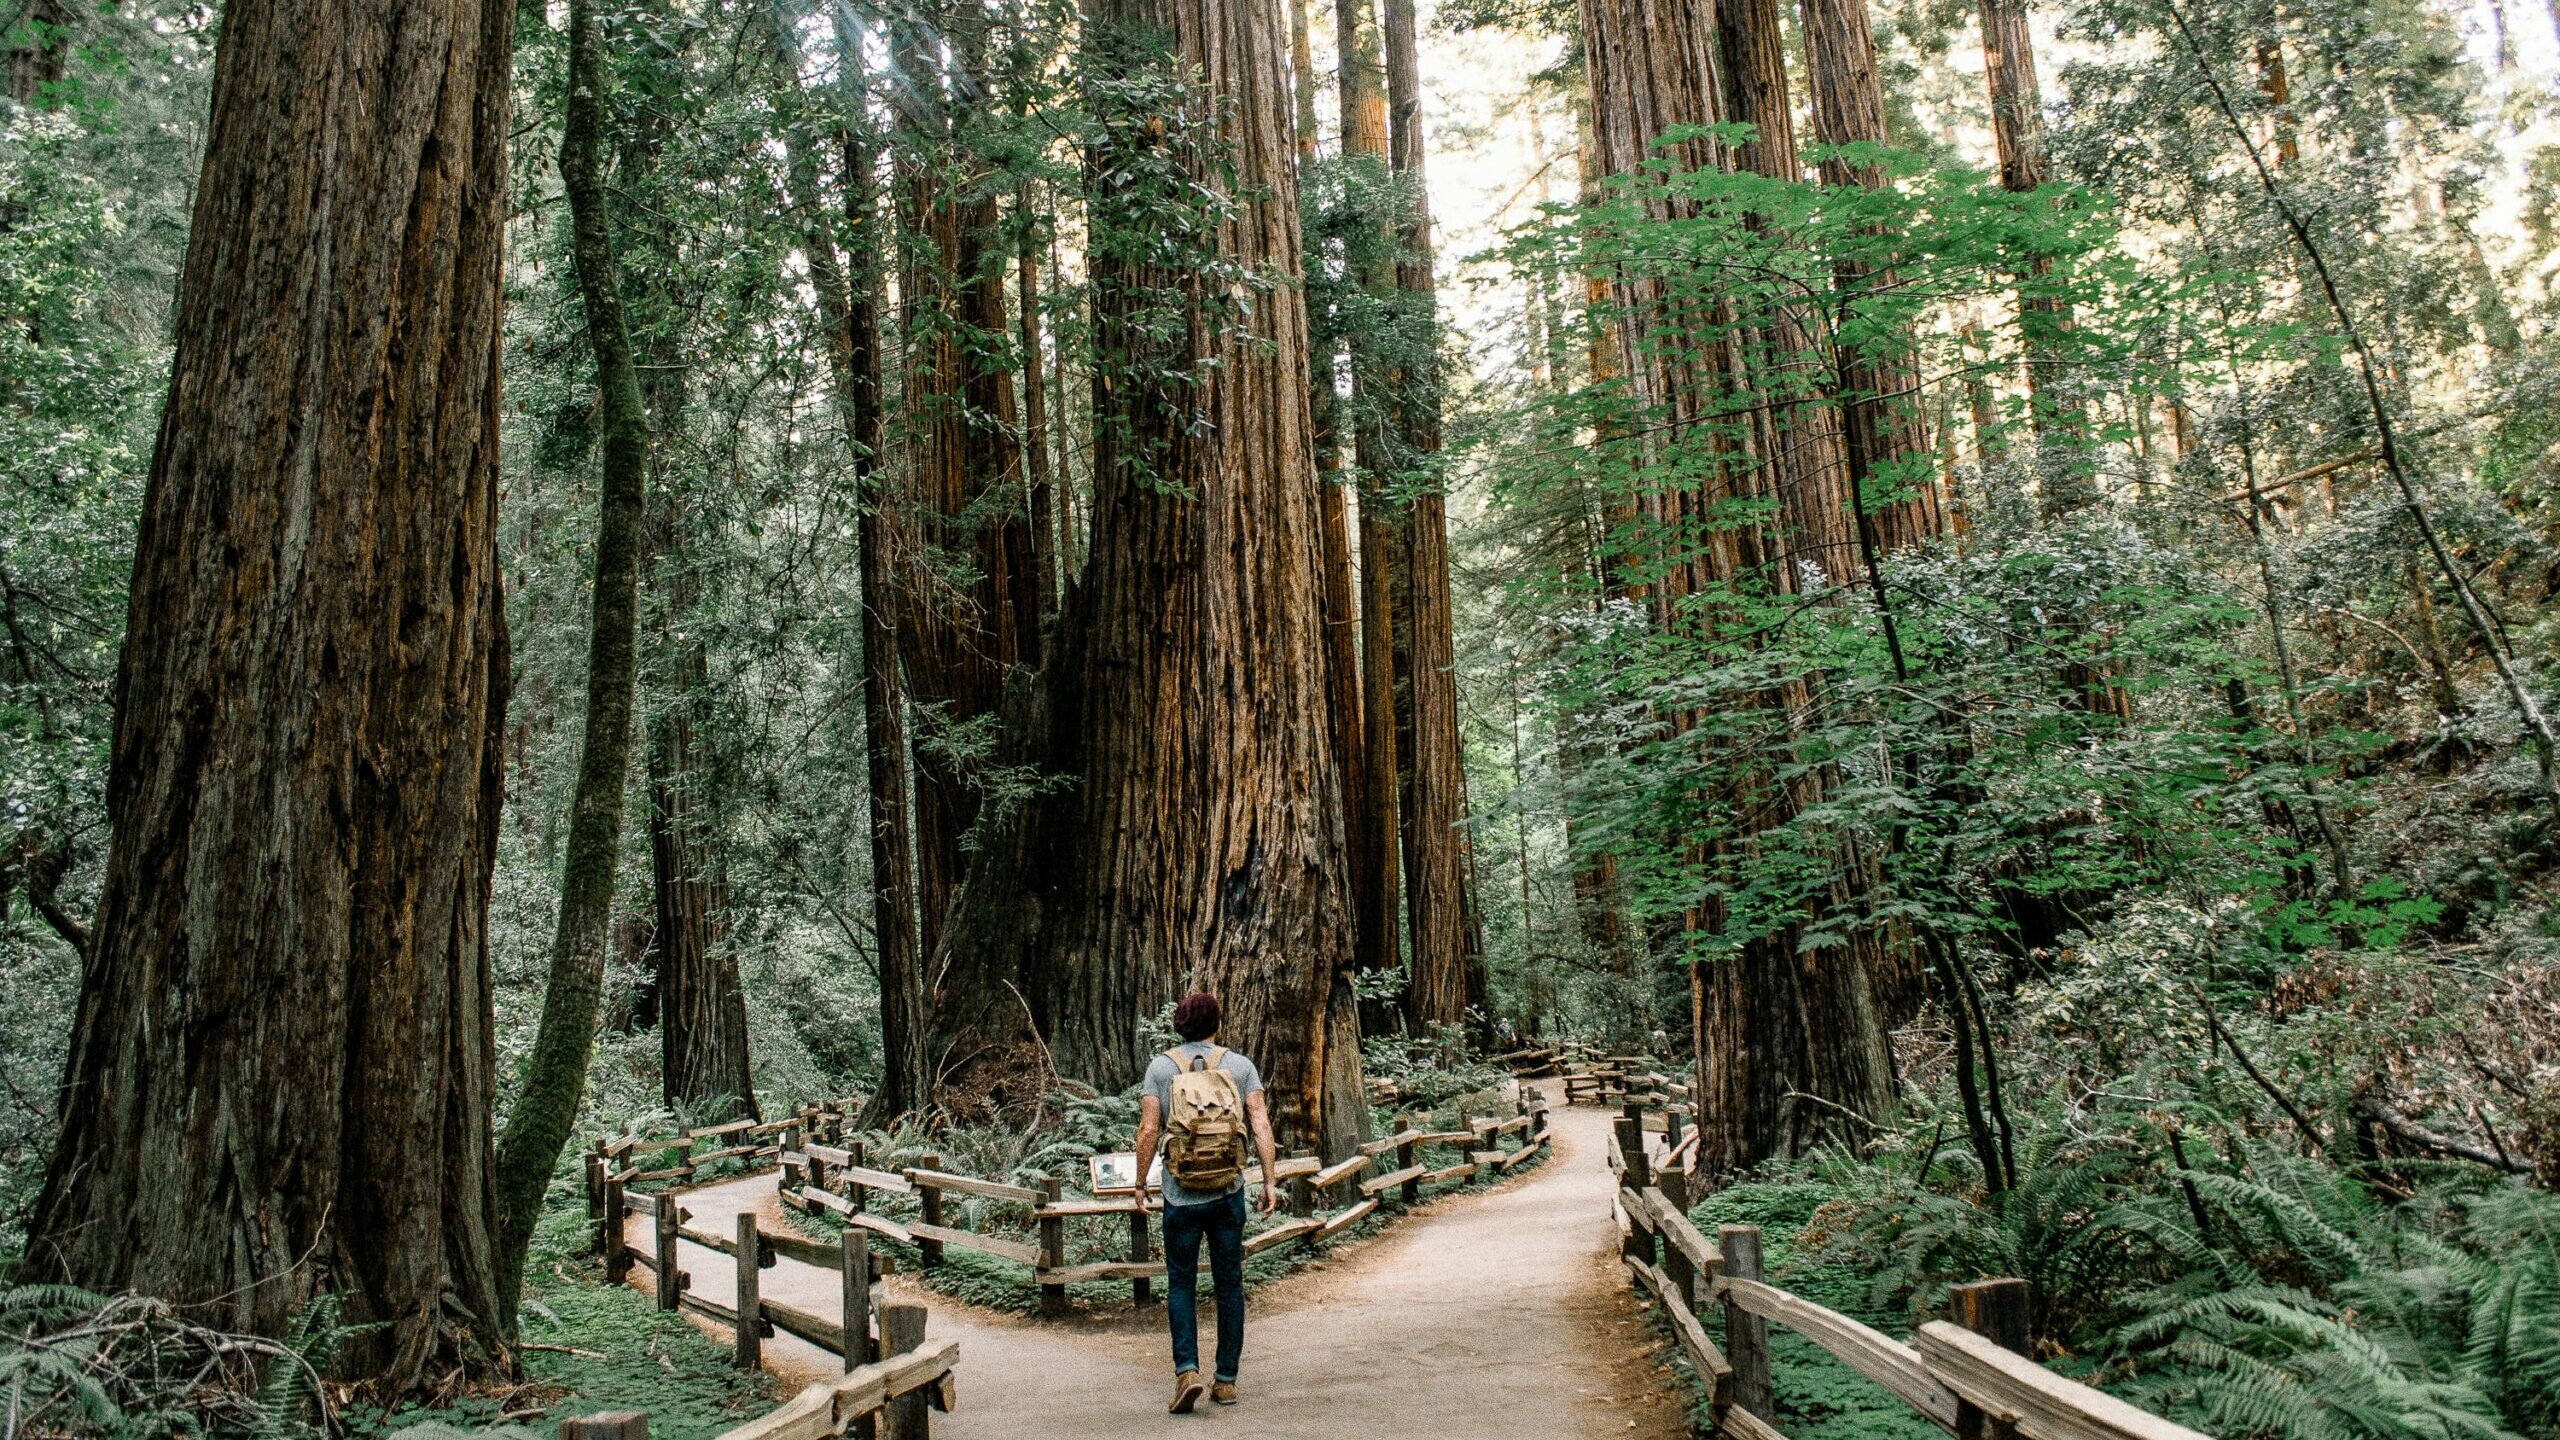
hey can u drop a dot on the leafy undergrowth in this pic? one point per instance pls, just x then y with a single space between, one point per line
1818 1398
132 1368
588 1347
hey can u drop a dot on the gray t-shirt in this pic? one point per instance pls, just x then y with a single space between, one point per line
1160 1085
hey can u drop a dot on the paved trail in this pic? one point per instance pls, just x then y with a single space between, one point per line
1492 1313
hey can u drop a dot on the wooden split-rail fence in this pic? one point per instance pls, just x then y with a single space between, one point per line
893 1379
1971 1375
1322 1200
818 1167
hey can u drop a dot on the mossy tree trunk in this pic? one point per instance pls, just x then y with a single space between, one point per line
555 1074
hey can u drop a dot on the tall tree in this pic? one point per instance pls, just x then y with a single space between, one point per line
701 1002
1201 841
972 611
696 995
2017 131
1799 427
1771 1020
1887 439
281 1078
555 1074
844 275
1373 943
1376 831
1448 972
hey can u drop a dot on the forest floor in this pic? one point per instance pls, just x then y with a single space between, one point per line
1492 1312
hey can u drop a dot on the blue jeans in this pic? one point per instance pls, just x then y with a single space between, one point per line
1221 1223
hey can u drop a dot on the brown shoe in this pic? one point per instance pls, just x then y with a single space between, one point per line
1224 1392
1186 1392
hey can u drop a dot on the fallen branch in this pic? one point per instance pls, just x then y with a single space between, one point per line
2372 1106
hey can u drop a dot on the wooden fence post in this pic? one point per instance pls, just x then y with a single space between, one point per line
617 1256
902 1330
1053 1250
670 1279
1141 1250
1746 1336
595 1182
1634 1177
854 1261
1675 1261
854 1191
607 1425
930 1197
1411 1190
750 1301
1997 1311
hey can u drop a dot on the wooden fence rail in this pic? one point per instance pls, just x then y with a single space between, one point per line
820 1168
1971 1377
840 1179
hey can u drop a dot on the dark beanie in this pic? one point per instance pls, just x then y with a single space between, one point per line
1196 1018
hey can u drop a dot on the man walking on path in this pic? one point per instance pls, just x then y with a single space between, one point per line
1202 1098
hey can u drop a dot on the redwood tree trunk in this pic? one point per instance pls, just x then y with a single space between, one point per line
1800 424
2017 128
1202 841
1881 417
971 610
1768 1020
281 1076
1376 826
555 1074
1373 903
702 1006
1448 977
846 283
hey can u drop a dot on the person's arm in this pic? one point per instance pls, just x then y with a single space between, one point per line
1150 1120
1258 1113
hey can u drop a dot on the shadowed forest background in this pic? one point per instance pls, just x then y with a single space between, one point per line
1983 578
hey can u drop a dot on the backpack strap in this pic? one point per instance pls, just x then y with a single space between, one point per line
1175 1055
1216 1058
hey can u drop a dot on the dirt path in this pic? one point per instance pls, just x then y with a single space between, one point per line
1499 1312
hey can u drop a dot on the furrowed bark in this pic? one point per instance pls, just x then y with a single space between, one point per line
971 610
282 1072
1202 840
1882 422
1448 979
1377 827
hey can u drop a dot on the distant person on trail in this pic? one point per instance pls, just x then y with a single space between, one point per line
1202 1097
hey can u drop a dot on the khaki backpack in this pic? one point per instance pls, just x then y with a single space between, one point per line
1204 1124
